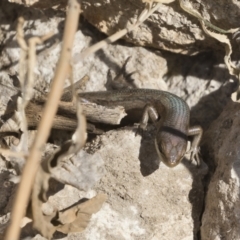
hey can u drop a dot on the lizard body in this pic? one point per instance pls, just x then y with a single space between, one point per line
169 112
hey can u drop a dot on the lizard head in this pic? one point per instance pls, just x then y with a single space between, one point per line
170 148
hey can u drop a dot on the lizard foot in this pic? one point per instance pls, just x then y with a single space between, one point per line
141 127
194 155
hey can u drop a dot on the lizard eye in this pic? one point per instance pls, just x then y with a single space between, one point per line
160 147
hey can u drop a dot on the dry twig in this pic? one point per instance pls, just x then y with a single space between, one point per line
49 111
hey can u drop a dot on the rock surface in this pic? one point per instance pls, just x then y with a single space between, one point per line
221 215
145 200
169 28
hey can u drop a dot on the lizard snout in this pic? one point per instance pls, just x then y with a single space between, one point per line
172 157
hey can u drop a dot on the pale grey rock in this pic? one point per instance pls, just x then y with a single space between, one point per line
221 216
170 28
145 200
4 222
81 171
149 67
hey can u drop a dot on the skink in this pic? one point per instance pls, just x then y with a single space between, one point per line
169 113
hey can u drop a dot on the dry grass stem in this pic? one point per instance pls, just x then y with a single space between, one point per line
27 53
49 111
32 62
20 34
10 153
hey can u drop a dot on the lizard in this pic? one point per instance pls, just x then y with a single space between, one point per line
169 113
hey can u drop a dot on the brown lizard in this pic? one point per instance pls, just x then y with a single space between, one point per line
169 112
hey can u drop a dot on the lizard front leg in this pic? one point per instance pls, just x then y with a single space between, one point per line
196 132
148 112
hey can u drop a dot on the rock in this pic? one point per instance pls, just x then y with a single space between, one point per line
146 199
42 4
149 67
222 205
170 28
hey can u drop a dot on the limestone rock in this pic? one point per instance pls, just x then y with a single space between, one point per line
147 200
170 28
221 215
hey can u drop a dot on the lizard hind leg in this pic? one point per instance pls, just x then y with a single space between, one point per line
149 111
